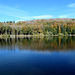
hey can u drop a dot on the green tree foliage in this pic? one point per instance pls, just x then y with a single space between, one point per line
37 27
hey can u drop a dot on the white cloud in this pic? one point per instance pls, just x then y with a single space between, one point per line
42 17
20 14
34 17
71 5
63 16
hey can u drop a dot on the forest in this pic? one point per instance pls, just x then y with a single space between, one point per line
64 26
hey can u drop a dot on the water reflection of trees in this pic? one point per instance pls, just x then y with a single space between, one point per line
38 43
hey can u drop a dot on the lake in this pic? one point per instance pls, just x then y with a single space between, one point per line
37 56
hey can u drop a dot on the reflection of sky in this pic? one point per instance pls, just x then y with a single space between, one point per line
42 63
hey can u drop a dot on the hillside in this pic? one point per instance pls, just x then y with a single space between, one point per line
64 26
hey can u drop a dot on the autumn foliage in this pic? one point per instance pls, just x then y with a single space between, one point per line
39 27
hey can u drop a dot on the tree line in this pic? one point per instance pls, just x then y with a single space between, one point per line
39 27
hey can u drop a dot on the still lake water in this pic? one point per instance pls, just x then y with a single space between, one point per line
37 56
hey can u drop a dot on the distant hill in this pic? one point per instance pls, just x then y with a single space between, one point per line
58 26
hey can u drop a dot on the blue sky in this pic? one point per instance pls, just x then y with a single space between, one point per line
20 10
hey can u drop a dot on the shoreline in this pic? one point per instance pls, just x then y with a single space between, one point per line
13 36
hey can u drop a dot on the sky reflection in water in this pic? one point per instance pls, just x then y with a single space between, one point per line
37 56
